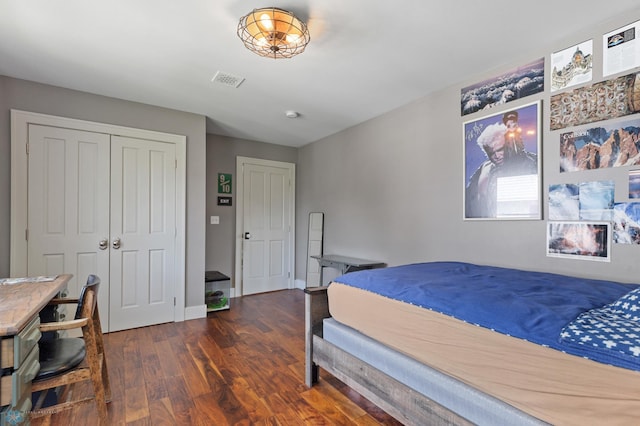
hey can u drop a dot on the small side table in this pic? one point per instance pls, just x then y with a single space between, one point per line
345 264
217 288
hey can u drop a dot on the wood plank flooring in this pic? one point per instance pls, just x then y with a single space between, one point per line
244 366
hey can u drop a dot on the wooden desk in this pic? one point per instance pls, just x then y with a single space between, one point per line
345 264
20 305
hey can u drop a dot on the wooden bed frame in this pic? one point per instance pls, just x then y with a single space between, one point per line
398 400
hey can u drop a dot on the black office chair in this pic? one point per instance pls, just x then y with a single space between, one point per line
67 361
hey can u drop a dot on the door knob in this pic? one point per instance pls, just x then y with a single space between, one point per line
247 235
116 243
103 244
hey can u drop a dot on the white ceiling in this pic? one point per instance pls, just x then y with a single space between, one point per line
365 57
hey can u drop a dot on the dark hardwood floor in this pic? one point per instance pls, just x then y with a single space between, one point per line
244 366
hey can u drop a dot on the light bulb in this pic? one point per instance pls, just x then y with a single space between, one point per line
266 21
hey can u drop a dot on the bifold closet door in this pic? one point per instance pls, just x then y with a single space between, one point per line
68 202
105 205
143 232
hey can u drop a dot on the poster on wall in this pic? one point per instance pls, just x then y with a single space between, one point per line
564 202
579 240
605 100
514 84
572 66
583 201
621 49
596 200
626 223
634 184
224 183
608 145
501 168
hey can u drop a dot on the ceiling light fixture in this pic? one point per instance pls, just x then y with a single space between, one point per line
273 33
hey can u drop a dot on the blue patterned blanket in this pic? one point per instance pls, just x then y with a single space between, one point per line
539 307
612 330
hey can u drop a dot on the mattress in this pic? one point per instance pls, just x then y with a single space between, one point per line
535 306
543 382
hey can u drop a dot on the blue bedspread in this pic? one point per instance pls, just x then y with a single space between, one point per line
534 306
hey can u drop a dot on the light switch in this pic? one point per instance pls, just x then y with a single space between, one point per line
215 220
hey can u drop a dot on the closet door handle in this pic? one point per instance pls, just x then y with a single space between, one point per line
116 243
103 244
247 235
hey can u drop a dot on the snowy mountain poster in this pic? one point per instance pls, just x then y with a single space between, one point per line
510 86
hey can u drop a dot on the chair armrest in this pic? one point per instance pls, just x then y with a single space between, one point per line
62 301
63 325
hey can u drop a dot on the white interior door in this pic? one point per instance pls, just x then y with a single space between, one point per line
267 228
68 198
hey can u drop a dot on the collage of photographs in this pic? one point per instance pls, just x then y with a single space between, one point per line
597 127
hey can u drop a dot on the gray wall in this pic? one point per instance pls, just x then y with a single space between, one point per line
391 188
40 98
221 158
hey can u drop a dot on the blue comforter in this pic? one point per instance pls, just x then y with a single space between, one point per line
534 306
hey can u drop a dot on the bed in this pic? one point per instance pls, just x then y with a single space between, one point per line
457 343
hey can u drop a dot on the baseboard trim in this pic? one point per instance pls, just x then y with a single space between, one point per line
195 312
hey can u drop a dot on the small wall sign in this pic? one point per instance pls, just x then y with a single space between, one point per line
225 201
224 183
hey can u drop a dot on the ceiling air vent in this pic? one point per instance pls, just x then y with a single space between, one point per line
226 79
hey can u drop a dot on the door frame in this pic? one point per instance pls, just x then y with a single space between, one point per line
291 167
20 121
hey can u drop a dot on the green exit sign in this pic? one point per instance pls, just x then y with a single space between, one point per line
224 183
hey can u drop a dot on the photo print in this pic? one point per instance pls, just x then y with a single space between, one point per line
510 86
608 145
626 223
572 66
579 240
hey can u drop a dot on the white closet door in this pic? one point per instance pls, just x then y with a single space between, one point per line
143 232
68 199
